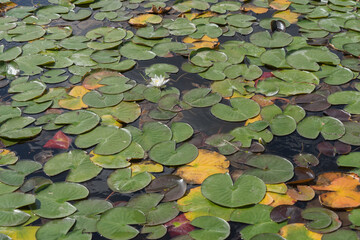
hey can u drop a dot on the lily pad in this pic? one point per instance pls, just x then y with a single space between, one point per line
15 128
77 161
201 97
211 228
121 159
114 223
9 214
276 40
241 109
246 190
78 121
124 182
108 140
167 154
152 133
155 213
270 168
329 127
52 201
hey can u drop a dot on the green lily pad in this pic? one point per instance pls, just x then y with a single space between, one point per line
76 16
211 30
188 5
222 7
54 76
322 220
180 26
241 109
15 128
329 127
275 58
246 134
8 112
10 54
282 125
253 214
88 214
212 228
308 59
121 159
124 112
98 100
150 33
123 181
116 84
351 135
108 140
155 213
74 43
240 20
9 214
114 223
137 52
77 161
276 40
78 121
201 97
27 91
246 190
351 98
250 72
60 228
270 168
106 56
207 58
29 64
181 131
52 201
155 232
151 134
161 69
25 33
167 154
15 174
58 33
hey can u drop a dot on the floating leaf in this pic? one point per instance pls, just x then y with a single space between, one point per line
206 164
330 128
78 121
242 109
270 168
59 141
119 160
298 231
114 223
122 181
166 153
194 204
343 189
15 128
220 189
108 140
77 161
212 228
173 187
52 201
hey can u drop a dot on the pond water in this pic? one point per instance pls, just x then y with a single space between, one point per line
278 111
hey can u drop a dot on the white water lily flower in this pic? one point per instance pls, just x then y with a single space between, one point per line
158 81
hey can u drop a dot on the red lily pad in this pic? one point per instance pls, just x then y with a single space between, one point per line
179 226
59 141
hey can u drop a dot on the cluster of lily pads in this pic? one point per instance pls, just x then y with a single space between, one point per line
77 70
